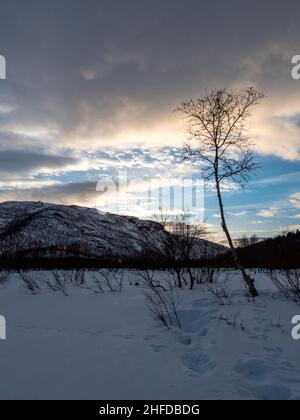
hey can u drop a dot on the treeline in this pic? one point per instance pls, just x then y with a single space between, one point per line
38 260
282 252
76 262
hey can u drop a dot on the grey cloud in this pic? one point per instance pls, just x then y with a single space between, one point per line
18 162
83 193
154 53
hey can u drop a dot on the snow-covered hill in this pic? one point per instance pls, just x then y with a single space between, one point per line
73 230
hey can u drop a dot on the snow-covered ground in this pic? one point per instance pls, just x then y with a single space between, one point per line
108 346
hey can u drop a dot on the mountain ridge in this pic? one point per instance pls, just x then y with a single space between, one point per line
60 230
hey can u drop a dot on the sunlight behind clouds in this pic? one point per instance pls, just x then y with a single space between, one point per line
98 95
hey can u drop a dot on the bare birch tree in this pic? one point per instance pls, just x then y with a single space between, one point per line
219 143
182 241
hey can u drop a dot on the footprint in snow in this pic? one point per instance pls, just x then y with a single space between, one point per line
195 321
198 363
253 369
271 392
182 338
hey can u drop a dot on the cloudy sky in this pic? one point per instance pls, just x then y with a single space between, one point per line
91 86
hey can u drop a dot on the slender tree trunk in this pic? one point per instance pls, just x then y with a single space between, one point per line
178 273
192 279
248 280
